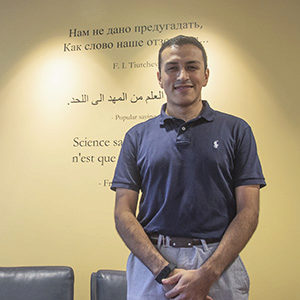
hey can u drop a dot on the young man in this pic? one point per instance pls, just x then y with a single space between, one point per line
200 176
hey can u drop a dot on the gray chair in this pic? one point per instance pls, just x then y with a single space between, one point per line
36 283
108 285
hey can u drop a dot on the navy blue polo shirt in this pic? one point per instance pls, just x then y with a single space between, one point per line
187 171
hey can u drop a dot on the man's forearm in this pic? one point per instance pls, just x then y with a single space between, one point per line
138 242
233 241
235 238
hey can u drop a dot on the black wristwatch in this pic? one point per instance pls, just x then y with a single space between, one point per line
164 273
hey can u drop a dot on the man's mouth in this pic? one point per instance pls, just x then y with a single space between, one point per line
183 87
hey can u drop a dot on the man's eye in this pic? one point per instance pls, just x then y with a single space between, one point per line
192 68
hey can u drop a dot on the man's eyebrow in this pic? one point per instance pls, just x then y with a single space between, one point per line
193 62
172 63
188 62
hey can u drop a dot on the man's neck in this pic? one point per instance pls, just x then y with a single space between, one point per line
185 113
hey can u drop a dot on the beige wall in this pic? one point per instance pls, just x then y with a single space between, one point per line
54 211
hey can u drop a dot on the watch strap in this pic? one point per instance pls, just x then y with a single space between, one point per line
164 273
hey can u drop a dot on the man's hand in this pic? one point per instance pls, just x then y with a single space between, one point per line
188 285
195 284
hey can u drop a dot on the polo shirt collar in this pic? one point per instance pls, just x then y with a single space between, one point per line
207 113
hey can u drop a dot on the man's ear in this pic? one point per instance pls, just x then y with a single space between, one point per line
206 74
159 79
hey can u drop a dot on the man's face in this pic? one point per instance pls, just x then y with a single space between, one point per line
182 74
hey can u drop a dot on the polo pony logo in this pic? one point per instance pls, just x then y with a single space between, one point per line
216 144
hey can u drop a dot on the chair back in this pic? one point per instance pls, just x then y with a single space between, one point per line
108 285
36 283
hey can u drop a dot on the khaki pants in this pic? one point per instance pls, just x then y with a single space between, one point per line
141 285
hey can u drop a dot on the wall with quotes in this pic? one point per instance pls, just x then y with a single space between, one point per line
75 76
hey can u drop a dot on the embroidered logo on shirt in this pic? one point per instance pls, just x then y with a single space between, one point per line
216 144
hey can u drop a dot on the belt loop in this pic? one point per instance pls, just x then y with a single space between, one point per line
167 241
160 240
204 245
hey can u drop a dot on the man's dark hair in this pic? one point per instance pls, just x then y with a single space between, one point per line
180 40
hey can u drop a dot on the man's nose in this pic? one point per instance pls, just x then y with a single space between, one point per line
182 74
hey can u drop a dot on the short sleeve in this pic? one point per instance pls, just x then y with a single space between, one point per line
247 167
127 172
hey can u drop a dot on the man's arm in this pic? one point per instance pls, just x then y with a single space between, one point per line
195 284
133 233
